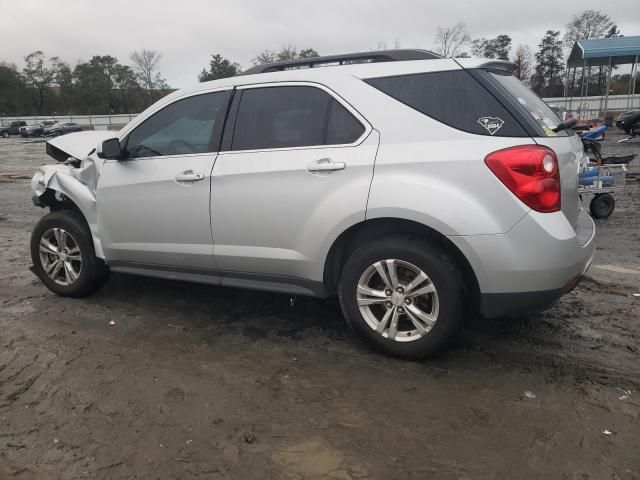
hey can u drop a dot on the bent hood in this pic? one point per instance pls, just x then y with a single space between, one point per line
77 145
76 180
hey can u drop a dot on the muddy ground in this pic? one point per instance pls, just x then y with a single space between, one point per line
195 381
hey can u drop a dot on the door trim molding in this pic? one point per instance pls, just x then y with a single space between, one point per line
225 278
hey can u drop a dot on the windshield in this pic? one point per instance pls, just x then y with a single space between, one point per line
540 111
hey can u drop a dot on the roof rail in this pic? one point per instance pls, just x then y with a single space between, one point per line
346 59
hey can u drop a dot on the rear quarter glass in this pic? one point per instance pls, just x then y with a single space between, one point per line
454 98
530 104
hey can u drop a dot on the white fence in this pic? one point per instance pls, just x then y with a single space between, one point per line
593 107
95 122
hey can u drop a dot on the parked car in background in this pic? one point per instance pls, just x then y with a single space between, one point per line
36 130
267 181
58 129
12 129
32 131
629 122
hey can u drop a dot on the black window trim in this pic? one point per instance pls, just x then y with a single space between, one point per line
227 136
124 138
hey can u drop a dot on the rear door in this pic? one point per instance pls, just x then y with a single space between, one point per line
299 164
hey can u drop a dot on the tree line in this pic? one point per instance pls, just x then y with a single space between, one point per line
103 85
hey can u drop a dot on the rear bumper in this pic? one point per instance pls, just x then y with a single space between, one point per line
493 305
530 267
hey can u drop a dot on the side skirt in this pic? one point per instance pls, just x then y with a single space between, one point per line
252 281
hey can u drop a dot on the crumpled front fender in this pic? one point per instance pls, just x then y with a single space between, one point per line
77 181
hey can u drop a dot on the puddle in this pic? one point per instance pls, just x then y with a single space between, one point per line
310 459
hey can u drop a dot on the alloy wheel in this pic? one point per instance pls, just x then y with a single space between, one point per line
398 300
60 256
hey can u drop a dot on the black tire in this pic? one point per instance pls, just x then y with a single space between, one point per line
5 134
602 205
93 272
435 263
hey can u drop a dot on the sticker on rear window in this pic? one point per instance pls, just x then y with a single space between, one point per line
491 124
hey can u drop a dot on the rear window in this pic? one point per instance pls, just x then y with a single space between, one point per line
543 115
454 98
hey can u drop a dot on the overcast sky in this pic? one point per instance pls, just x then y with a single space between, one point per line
188 31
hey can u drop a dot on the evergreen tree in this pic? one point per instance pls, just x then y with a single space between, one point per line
549 65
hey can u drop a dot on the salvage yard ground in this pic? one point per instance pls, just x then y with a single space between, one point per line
160 379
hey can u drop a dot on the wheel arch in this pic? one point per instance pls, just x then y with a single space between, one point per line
56 200
367 230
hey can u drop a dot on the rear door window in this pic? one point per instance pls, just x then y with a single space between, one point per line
292 116
454 98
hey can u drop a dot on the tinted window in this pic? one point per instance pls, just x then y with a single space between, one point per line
534 105
342 127
192 125
291 116
454 98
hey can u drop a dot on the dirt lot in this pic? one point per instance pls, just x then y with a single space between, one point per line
200 382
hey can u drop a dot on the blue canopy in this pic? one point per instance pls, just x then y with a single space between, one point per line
597 51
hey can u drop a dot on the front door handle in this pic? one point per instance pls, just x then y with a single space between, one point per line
189 176
326 165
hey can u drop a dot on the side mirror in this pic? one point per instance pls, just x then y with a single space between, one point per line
110 149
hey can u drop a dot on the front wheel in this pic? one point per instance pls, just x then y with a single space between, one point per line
63 255
403 295
5 134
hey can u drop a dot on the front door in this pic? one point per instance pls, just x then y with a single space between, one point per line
153 205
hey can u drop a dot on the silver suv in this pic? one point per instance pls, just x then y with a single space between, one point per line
412 187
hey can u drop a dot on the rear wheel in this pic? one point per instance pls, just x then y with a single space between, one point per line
602 205
403 295
5 134
63 255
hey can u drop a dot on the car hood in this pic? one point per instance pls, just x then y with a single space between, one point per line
78 145
77 178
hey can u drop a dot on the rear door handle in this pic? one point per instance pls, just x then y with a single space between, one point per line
326 165
189 176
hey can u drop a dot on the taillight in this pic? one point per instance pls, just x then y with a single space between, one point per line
531 172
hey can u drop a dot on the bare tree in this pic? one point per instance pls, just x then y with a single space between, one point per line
450 39
523 58
39 75
145 64
588 24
